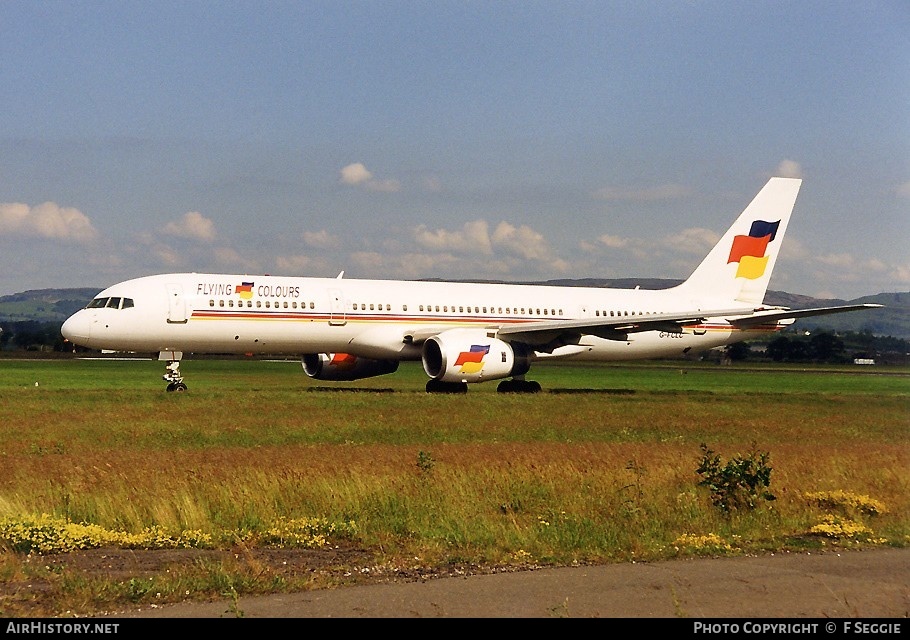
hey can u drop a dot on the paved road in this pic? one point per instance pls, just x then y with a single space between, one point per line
854 584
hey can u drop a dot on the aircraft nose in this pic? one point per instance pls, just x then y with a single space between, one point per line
76 328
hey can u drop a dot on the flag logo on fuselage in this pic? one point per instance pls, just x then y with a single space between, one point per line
245 290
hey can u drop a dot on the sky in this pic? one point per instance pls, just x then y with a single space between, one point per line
516 141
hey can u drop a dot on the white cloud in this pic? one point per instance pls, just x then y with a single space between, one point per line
301 265
47 220
357 175
474 237
613 242
320 239
166 255
903 190
841 260
192 225
522 241
901 273
647 194
789 169
694 240
232 259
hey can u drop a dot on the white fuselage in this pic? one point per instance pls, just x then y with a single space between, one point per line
237 314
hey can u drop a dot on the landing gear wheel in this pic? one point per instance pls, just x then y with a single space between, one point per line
173 378
518 386
437 386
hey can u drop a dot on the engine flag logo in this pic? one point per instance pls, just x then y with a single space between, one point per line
472 361
749 251
245 290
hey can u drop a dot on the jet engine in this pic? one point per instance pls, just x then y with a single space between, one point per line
468 355
344 366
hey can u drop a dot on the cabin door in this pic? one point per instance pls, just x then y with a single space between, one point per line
336 308
176 305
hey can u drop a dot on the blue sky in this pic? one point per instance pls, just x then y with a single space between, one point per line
491 140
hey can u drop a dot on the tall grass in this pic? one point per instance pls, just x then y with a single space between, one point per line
483 479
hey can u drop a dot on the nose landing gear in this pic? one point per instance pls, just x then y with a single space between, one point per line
173 377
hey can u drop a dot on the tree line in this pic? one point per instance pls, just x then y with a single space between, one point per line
825 347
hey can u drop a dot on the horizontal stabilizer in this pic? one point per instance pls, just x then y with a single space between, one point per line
774 315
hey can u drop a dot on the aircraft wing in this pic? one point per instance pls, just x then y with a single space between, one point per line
554 333
773 315
550 334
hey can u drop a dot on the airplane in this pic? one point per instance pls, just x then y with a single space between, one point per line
463 332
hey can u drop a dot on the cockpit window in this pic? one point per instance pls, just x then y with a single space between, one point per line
110 303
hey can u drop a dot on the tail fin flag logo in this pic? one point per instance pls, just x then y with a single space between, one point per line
749 251
245 290
472 361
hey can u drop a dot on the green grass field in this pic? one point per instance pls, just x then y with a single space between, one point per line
600 467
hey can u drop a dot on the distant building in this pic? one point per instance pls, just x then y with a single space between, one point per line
863 361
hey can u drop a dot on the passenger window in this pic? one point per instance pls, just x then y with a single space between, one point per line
404 307
221 303
211 303
230 303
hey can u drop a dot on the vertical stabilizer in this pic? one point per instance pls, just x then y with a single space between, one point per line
739 267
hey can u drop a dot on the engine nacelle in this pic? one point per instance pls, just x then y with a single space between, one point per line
469 355
344 366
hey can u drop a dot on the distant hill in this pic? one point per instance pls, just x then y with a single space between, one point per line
55 305
44 305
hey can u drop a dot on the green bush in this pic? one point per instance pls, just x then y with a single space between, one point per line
739 483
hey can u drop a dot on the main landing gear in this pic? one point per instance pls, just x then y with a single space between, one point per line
173 378
515 385
438 386
518 385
